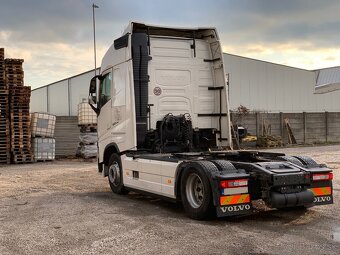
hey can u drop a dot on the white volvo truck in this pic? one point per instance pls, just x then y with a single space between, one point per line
164 129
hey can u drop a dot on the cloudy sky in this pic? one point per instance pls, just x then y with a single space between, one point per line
55 37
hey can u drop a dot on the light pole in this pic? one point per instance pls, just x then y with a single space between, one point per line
94 38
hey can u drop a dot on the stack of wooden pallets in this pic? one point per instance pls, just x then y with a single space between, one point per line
4 114
19 102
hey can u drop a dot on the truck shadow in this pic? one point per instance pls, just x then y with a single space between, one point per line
135 204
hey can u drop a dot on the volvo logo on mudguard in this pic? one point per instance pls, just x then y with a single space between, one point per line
323 200
233 210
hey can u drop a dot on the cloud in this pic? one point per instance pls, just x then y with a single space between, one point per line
302 55
56 38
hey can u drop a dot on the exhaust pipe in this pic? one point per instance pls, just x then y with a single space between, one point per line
279 200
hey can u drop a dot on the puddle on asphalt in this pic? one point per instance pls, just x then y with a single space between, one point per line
336 235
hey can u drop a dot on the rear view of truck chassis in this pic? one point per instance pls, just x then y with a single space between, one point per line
227 182
164 130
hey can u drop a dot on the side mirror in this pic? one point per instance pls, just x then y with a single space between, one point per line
93 85
92 100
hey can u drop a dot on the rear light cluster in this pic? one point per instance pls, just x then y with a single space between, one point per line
322 177
234 183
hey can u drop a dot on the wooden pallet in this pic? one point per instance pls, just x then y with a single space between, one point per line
22 92
15 123
13 78
4 135
5 160
4 111
23 158
19 110
18 149
14 61
4 144
2 53
14 75
20 142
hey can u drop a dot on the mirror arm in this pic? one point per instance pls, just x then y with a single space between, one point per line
96 110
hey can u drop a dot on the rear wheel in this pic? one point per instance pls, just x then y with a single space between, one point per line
196 194
308 161
115 175
291 160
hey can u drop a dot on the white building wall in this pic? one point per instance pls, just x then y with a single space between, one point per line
62 98
39 100
258 85
58 102
79 90
268 87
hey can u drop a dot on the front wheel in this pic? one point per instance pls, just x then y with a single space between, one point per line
115 175
196 194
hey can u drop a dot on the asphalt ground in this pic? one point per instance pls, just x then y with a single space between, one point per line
66 207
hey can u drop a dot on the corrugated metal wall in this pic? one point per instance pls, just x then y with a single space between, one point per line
268 87
258 85
39 100
62 98
66 135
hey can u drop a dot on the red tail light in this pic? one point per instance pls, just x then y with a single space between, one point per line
322 177
234 183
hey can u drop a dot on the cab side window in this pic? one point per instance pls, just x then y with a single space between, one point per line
105 89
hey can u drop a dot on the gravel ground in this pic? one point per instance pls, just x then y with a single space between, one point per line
65 207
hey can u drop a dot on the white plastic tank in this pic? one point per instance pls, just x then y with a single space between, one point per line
42 124
86 116
43 148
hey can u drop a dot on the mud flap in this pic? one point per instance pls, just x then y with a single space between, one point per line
322 195
323 200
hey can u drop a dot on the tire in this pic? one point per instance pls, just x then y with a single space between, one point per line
196 193
291 160
224 166
115 176
308 161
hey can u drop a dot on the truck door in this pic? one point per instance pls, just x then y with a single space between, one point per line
118 112
104 117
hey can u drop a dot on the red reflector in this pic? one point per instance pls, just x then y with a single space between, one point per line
323 177
234 183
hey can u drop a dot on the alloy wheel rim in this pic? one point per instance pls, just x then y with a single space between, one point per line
114 174
195 190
